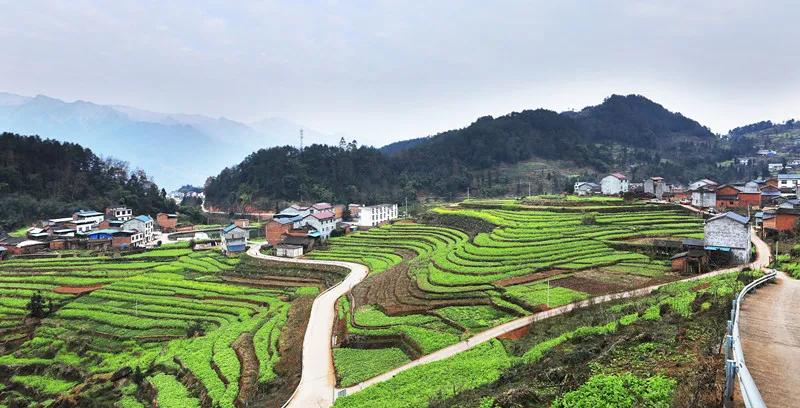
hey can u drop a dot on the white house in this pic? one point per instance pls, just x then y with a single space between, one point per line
321 207
788 180
613 184
729 232
584 188
81 226
143 224
775 166
324 222
120 213
296 210
375 215
702 183
704 197
88 215
234 238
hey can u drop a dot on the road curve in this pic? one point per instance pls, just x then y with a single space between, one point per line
318 379
762 260
770 333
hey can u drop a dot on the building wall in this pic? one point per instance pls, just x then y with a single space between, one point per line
749 199
375 215
118 241
338 210
704 199
242 222
784 222
273 231
769 223
325 227
166 223
611 185
725 232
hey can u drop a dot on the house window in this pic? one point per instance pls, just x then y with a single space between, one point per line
731 203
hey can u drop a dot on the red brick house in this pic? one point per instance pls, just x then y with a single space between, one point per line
167 222
784 219
122 239
241 222
275 229
733 197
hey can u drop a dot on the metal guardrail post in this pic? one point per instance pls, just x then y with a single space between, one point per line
730 373
728 347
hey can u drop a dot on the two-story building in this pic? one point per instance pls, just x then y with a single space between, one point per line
167 222
275 229
324 222
144 225
374 215
88 215
789 182
729 232
234 239
614 184
121 213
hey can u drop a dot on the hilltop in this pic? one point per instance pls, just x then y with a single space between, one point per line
492 156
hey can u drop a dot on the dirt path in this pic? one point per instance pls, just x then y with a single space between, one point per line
248 378
317 383
770 331
761 260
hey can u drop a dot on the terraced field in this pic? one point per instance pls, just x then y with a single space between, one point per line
196 338
432 286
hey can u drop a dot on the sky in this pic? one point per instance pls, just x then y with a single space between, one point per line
387 70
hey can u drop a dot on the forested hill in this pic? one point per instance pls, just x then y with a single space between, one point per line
46 178
621 133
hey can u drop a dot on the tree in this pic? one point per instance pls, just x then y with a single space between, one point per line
35 306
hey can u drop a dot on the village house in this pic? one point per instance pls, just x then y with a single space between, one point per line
769 193
119 213
124 239
324 222
81 226
22 245
338 211
729 232
296 210
234 239
583 188
355 210
304 242
275 229
656 187
111 224
374 215
781 219
737 197
167 222
88 215
614 184
144 225
321 207
789 182
241 222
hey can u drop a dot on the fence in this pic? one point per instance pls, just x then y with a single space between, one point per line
734 356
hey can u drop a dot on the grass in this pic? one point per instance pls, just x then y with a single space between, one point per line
355 365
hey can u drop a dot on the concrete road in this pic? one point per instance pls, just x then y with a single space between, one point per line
769 328
318 380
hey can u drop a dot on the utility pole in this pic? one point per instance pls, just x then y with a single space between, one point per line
406 216
301 140
529 188
548 293
467 193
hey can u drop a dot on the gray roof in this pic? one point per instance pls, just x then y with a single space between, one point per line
732 215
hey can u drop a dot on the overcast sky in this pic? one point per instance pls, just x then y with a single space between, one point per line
388 70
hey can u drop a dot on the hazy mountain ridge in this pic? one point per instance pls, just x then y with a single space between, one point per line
174 148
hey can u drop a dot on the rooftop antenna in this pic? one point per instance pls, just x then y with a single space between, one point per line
301 140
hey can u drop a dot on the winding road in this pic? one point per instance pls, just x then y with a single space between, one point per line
318 379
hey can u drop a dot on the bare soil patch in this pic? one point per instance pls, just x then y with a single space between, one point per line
586 285
76 290
529 278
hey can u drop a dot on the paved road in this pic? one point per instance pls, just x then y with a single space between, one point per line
769 328
762 260
318 380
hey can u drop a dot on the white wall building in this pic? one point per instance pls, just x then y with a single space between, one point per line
613 184
143 224
788 180
120 213
704 198
289 251
374 215
324 222
89 215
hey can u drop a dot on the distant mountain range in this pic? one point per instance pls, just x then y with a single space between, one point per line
175 149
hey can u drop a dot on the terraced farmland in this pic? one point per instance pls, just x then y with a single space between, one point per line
199 333
432 286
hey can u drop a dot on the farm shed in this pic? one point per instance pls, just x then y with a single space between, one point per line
289 251
692 261
305 242
666 247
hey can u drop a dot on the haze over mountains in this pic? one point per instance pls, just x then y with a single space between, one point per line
175 149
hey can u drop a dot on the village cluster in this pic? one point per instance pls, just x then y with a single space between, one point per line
773 201
292 232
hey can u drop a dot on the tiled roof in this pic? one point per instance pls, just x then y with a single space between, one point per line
324 215
619 176
733 216
322 206
283 221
